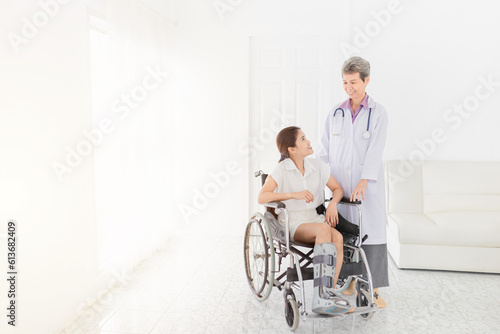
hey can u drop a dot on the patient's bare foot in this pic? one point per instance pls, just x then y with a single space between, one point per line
378 300
350 289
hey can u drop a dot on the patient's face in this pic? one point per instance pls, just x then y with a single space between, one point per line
302 145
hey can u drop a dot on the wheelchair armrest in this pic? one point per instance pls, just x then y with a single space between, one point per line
345 200
348 201
275 205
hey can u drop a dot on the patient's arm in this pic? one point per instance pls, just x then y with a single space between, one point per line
336 188
331 215
267 193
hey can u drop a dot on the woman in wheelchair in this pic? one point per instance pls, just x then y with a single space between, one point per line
299 183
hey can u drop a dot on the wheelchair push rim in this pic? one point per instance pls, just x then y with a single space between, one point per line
259 257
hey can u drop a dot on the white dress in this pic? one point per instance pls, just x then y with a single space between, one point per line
289 179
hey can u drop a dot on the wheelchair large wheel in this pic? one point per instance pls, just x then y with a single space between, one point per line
259 256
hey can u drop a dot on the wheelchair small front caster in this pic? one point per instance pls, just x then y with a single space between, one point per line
291 312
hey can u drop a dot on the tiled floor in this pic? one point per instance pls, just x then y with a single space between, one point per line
200 287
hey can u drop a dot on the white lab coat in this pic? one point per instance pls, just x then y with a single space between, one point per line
352 158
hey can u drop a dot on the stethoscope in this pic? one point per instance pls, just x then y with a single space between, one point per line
366 134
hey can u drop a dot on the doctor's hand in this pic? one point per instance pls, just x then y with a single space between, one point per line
358 192
305 195
332 215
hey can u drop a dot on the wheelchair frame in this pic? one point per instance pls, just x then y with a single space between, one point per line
263 241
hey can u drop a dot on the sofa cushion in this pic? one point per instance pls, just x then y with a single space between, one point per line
460 186
403 187
472 229
413 228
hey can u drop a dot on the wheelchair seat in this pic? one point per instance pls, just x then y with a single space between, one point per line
279 232
350 233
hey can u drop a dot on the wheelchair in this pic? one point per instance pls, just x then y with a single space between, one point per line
267 242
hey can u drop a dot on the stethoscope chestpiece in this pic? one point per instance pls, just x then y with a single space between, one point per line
366 134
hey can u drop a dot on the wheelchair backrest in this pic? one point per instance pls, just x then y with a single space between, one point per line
263 178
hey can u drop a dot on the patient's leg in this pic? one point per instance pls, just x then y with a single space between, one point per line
317 233
320 233
338 241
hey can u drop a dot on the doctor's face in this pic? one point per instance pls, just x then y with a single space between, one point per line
354 86
302 145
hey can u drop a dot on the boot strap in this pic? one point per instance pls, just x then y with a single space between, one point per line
326 281
326 259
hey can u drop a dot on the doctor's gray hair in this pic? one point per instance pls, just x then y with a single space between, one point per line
357 64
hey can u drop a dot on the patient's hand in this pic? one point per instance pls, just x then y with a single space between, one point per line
332 215
305 195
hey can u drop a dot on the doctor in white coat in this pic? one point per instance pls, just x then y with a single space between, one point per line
352 144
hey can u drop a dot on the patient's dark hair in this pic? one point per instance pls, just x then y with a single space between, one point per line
285 139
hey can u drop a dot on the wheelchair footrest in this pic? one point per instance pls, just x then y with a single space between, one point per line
307 274
351 268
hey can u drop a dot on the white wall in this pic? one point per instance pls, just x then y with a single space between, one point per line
44 107
429 57
426 60
213 81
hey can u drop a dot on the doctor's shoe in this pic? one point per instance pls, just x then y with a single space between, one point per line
378 300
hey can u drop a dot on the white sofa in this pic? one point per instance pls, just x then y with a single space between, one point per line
444 215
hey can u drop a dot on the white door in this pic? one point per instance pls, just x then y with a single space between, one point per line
290 84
